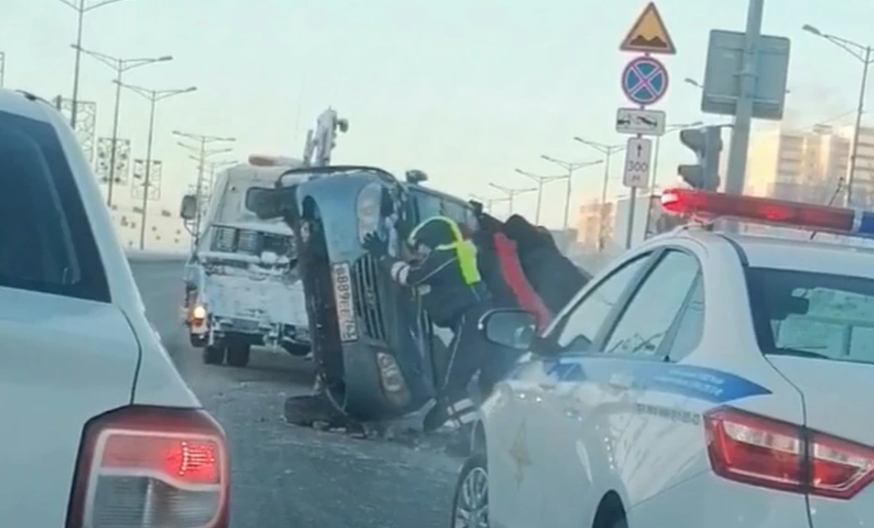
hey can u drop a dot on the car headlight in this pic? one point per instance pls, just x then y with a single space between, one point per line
368 209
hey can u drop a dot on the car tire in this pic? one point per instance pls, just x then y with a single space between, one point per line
213 355
238 355
471 497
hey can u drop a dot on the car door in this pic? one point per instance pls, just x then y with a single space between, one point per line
662 320
68 354
533 461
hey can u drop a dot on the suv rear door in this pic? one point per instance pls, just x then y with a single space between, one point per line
68 354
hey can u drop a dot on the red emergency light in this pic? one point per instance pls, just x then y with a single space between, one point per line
688 202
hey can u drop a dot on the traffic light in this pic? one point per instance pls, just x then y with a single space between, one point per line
706 142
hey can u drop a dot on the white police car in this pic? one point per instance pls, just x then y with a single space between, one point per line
704 379
97 428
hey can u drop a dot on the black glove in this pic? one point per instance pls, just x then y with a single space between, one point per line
375 245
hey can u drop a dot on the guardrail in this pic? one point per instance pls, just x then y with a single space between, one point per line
136 255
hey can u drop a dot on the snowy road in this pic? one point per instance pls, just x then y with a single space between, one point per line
286 476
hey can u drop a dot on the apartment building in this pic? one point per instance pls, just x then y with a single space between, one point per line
589 221
798 165
164 228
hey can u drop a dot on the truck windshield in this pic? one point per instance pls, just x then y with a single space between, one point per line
813 314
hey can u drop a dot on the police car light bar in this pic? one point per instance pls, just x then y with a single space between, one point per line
837 220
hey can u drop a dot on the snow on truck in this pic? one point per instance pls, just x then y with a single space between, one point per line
242 284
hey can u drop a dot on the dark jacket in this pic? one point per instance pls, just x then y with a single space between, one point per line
490 265
447 279
552 275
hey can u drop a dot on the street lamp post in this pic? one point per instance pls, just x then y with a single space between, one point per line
81 7
541 181
511 193
202 154
153 96
120 66
608 151
864 55
571 168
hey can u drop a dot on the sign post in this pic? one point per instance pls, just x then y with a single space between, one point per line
644 82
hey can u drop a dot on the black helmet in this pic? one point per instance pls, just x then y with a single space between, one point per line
435 231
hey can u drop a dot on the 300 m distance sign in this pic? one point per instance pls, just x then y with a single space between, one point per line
638 163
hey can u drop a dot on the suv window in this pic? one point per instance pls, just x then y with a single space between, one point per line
46 243
655 306
584 321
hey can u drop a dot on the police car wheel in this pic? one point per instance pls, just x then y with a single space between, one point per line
470 504
213 355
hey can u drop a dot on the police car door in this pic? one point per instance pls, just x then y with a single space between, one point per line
580 402
661 322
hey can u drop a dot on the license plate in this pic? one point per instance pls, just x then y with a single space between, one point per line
343 296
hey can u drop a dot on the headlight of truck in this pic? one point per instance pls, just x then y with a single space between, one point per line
367 209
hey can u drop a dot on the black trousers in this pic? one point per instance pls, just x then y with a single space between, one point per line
469 353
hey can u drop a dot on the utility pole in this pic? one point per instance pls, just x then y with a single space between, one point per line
511 193
608 151
864 55
743 116
541 181
202 154
81 8
571 167
119 66
153 96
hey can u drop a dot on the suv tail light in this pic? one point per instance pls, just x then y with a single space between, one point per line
150 467
755 450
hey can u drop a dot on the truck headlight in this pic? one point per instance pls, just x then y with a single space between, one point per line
368 209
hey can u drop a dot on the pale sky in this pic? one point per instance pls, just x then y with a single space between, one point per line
465 90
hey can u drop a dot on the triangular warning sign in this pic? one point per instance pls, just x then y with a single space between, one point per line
649 34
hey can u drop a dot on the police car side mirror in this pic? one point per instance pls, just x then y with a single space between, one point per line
514 329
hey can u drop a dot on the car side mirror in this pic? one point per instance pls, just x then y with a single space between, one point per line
188 209
514 329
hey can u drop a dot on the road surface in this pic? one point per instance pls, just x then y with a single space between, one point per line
285 476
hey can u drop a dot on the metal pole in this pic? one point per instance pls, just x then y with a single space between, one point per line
147 183
2 69
198 188
567 200
112 152
655 163
631 207
539 198
740 137
860 109
75 102
602 221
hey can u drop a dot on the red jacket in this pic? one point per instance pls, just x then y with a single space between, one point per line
515 278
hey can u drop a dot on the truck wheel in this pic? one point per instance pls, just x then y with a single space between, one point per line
238 355
214 355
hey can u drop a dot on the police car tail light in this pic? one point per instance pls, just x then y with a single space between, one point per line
687 202
151 467
763 452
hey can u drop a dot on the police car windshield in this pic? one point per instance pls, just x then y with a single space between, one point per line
813 314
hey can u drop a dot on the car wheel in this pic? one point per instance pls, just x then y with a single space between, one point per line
470 504
214 355
238 355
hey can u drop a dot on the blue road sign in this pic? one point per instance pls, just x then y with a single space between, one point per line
644 80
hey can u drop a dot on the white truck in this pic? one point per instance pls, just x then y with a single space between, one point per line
242 289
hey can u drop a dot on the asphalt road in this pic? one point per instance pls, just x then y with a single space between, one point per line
287 476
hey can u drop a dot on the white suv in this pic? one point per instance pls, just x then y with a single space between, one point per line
98 427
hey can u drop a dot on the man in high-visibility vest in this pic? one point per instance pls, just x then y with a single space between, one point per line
453 294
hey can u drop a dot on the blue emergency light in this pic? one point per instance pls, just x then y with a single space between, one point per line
838 220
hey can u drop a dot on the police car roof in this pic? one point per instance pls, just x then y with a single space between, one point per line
25 104
797 254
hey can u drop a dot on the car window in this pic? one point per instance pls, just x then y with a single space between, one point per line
584 321
811 314
654 306
690 327
46 243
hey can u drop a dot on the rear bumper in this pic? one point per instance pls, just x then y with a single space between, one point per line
708 500
250 332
